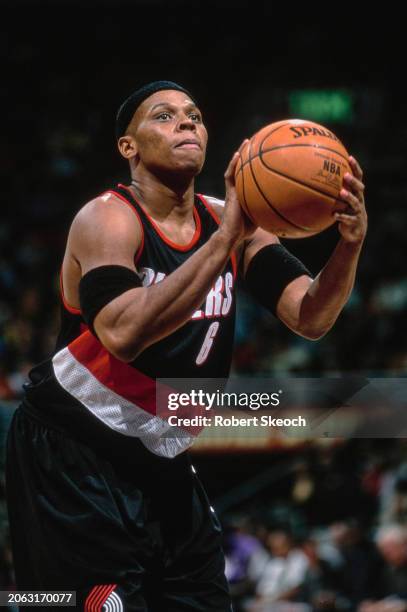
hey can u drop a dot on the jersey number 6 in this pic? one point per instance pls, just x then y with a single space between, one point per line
207 343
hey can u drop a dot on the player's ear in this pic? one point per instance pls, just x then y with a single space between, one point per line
127 146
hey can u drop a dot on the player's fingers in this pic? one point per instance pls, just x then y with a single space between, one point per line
346 219
351 199
354 184
240 149
230 170
357 170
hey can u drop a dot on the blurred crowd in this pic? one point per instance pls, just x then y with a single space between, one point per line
335 569
328 543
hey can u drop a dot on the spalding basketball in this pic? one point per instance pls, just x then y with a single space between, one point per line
289 175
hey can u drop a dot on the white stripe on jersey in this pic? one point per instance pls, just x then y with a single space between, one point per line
117 412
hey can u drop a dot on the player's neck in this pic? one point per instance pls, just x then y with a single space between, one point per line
163 197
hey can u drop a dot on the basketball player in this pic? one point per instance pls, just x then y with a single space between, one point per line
101 501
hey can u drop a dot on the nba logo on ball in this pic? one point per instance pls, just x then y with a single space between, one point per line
289 175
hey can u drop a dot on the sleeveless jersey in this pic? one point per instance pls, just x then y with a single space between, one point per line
86 390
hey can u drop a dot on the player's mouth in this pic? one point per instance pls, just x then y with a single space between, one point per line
188 143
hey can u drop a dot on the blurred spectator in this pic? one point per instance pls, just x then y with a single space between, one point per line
394 496
359 564
391 589
319 587
245 557
282 575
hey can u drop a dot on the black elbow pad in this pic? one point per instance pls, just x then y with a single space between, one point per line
101 285
270 271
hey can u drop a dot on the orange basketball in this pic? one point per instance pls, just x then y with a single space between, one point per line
289 176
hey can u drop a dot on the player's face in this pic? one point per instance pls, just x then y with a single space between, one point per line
169 133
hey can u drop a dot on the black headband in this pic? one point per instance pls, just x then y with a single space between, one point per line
129 106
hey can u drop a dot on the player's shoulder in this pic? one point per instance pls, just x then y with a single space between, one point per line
217 205
103 220
105 209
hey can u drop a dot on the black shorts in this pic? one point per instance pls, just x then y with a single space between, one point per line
124 536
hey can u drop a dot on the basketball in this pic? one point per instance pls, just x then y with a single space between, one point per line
288 178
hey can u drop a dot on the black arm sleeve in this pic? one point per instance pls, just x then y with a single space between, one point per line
270 271
100 286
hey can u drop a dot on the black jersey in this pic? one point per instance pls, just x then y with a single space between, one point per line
85 388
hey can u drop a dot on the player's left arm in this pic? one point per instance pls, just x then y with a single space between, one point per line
309 306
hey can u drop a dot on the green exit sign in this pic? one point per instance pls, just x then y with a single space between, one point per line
335 106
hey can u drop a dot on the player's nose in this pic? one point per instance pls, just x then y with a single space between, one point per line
186 123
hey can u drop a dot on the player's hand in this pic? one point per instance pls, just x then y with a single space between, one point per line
235 222
352 224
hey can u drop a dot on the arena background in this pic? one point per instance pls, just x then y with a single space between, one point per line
66 68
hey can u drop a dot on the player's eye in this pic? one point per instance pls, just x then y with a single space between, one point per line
196 117
163 116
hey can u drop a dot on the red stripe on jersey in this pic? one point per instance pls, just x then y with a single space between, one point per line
174 245
209 208
216 218
119 377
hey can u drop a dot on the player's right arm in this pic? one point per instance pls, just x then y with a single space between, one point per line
108 233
